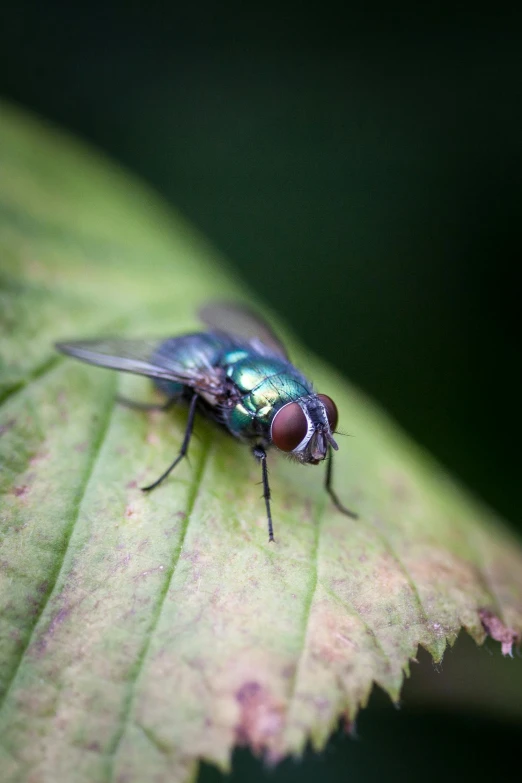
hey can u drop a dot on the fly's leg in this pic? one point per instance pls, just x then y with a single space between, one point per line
147 406
260 454
184 445
330 490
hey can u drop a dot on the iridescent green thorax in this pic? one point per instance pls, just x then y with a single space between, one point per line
266 384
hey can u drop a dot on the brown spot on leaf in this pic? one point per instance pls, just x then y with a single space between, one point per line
494 626
40 455
20 491
260 716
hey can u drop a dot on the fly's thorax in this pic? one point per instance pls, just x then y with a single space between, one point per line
264 386
303 428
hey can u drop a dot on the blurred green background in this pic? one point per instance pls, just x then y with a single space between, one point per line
361 170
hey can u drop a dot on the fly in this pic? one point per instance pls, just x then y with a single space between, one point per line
238 374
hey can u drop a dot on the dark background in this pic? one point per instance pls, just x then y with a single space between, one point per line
361 170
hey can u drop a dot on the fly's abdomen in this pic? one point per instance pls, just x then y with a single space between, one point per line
265 385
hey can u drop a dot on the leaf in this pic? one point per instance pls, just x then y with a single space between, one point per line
141 633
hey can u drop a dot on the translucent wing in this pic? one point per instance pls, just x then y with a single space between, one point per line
142 357
238 321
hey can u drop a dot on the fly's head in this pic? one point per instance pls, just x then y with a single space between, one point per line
303 428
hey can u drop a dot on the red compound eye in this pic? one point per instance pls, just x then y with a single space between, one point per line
289 427
331 411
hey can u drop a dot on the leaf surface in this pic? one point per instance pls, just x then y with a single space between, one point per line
142 633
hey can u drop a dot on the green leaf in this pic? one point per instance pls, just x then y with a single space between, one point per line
141 633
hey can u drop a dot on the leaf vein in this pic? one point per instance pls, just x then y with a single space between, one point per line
32 375
402 568
307 609
356 613
141 658
103 428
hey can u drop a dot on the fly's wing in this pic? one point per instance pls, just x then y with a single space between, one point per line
142 357
238 321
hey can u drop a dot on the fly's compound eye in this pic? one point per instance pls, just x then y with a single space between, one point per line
289 427
331 411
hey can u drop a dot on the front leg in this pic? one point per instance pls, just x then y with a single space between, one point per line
330 490
260 454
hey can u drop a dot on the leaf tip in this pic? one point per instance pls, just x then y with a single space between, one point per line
260 716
